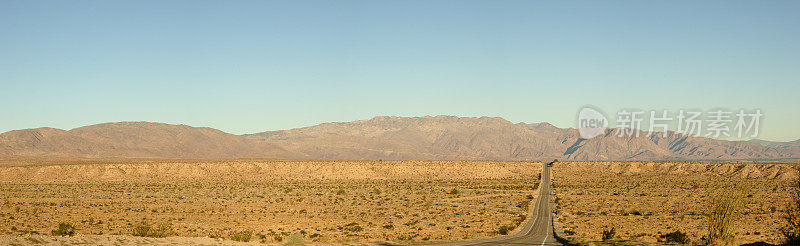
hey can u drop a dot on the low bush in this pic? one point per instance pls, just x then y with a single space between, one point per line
352 227
609 234
504 230
241 236
64 229
675 237
145 229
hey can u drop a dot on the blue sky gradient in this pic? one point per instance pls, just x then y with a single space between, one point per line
251 66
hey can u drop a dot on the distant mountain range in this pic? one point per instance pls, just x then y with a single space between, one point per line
381 138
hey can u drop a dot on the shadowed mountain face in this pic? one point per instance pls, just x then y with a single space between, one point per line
387 138
448 137
791 147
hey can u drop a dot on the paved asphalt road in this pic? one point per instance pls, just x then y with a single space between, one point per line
537 231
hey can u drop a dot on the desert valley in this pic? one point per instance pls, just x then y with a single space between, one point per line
388 180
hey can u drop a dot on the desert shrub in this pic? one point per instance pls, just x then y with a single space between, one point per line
295 240
64 229
454 191
609 234
520 218
791 227
504 230
340 192
411 223
675 237
145 229
352 227
241 236
724 212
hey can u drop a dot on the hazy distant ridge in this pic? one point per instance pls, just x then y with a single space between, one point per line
386 138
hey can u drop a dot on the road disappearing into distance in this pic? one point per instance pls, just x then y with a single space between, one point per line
538 230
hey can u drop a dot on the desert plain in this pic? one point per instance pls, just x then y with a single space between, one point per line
645 201
374 202
264 201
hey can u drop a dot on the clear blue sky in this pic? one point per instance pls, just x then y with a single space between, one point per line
251 66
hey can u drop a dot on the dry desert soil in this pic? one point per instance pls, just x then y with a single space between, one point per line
371 202
273 201
645 200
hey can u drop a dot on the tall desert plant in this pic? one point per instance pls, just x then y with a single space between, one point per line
791 228
725 210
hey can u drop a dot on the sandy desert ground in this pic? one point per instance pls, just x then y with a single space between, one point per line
643 201
273 201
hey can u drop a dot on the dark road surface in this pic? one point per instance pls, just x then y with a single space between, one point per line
536 231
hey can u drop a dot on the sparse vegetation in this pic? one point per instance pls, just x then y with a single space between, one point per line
241 236
791 227
352 227
670 196
724 212
406 198
609 234
454 191
64 229
145 229
675 237
504 230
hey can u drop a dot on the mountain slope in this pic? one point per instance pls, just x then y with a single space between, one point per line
449 137
380 138
791 147
135 139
